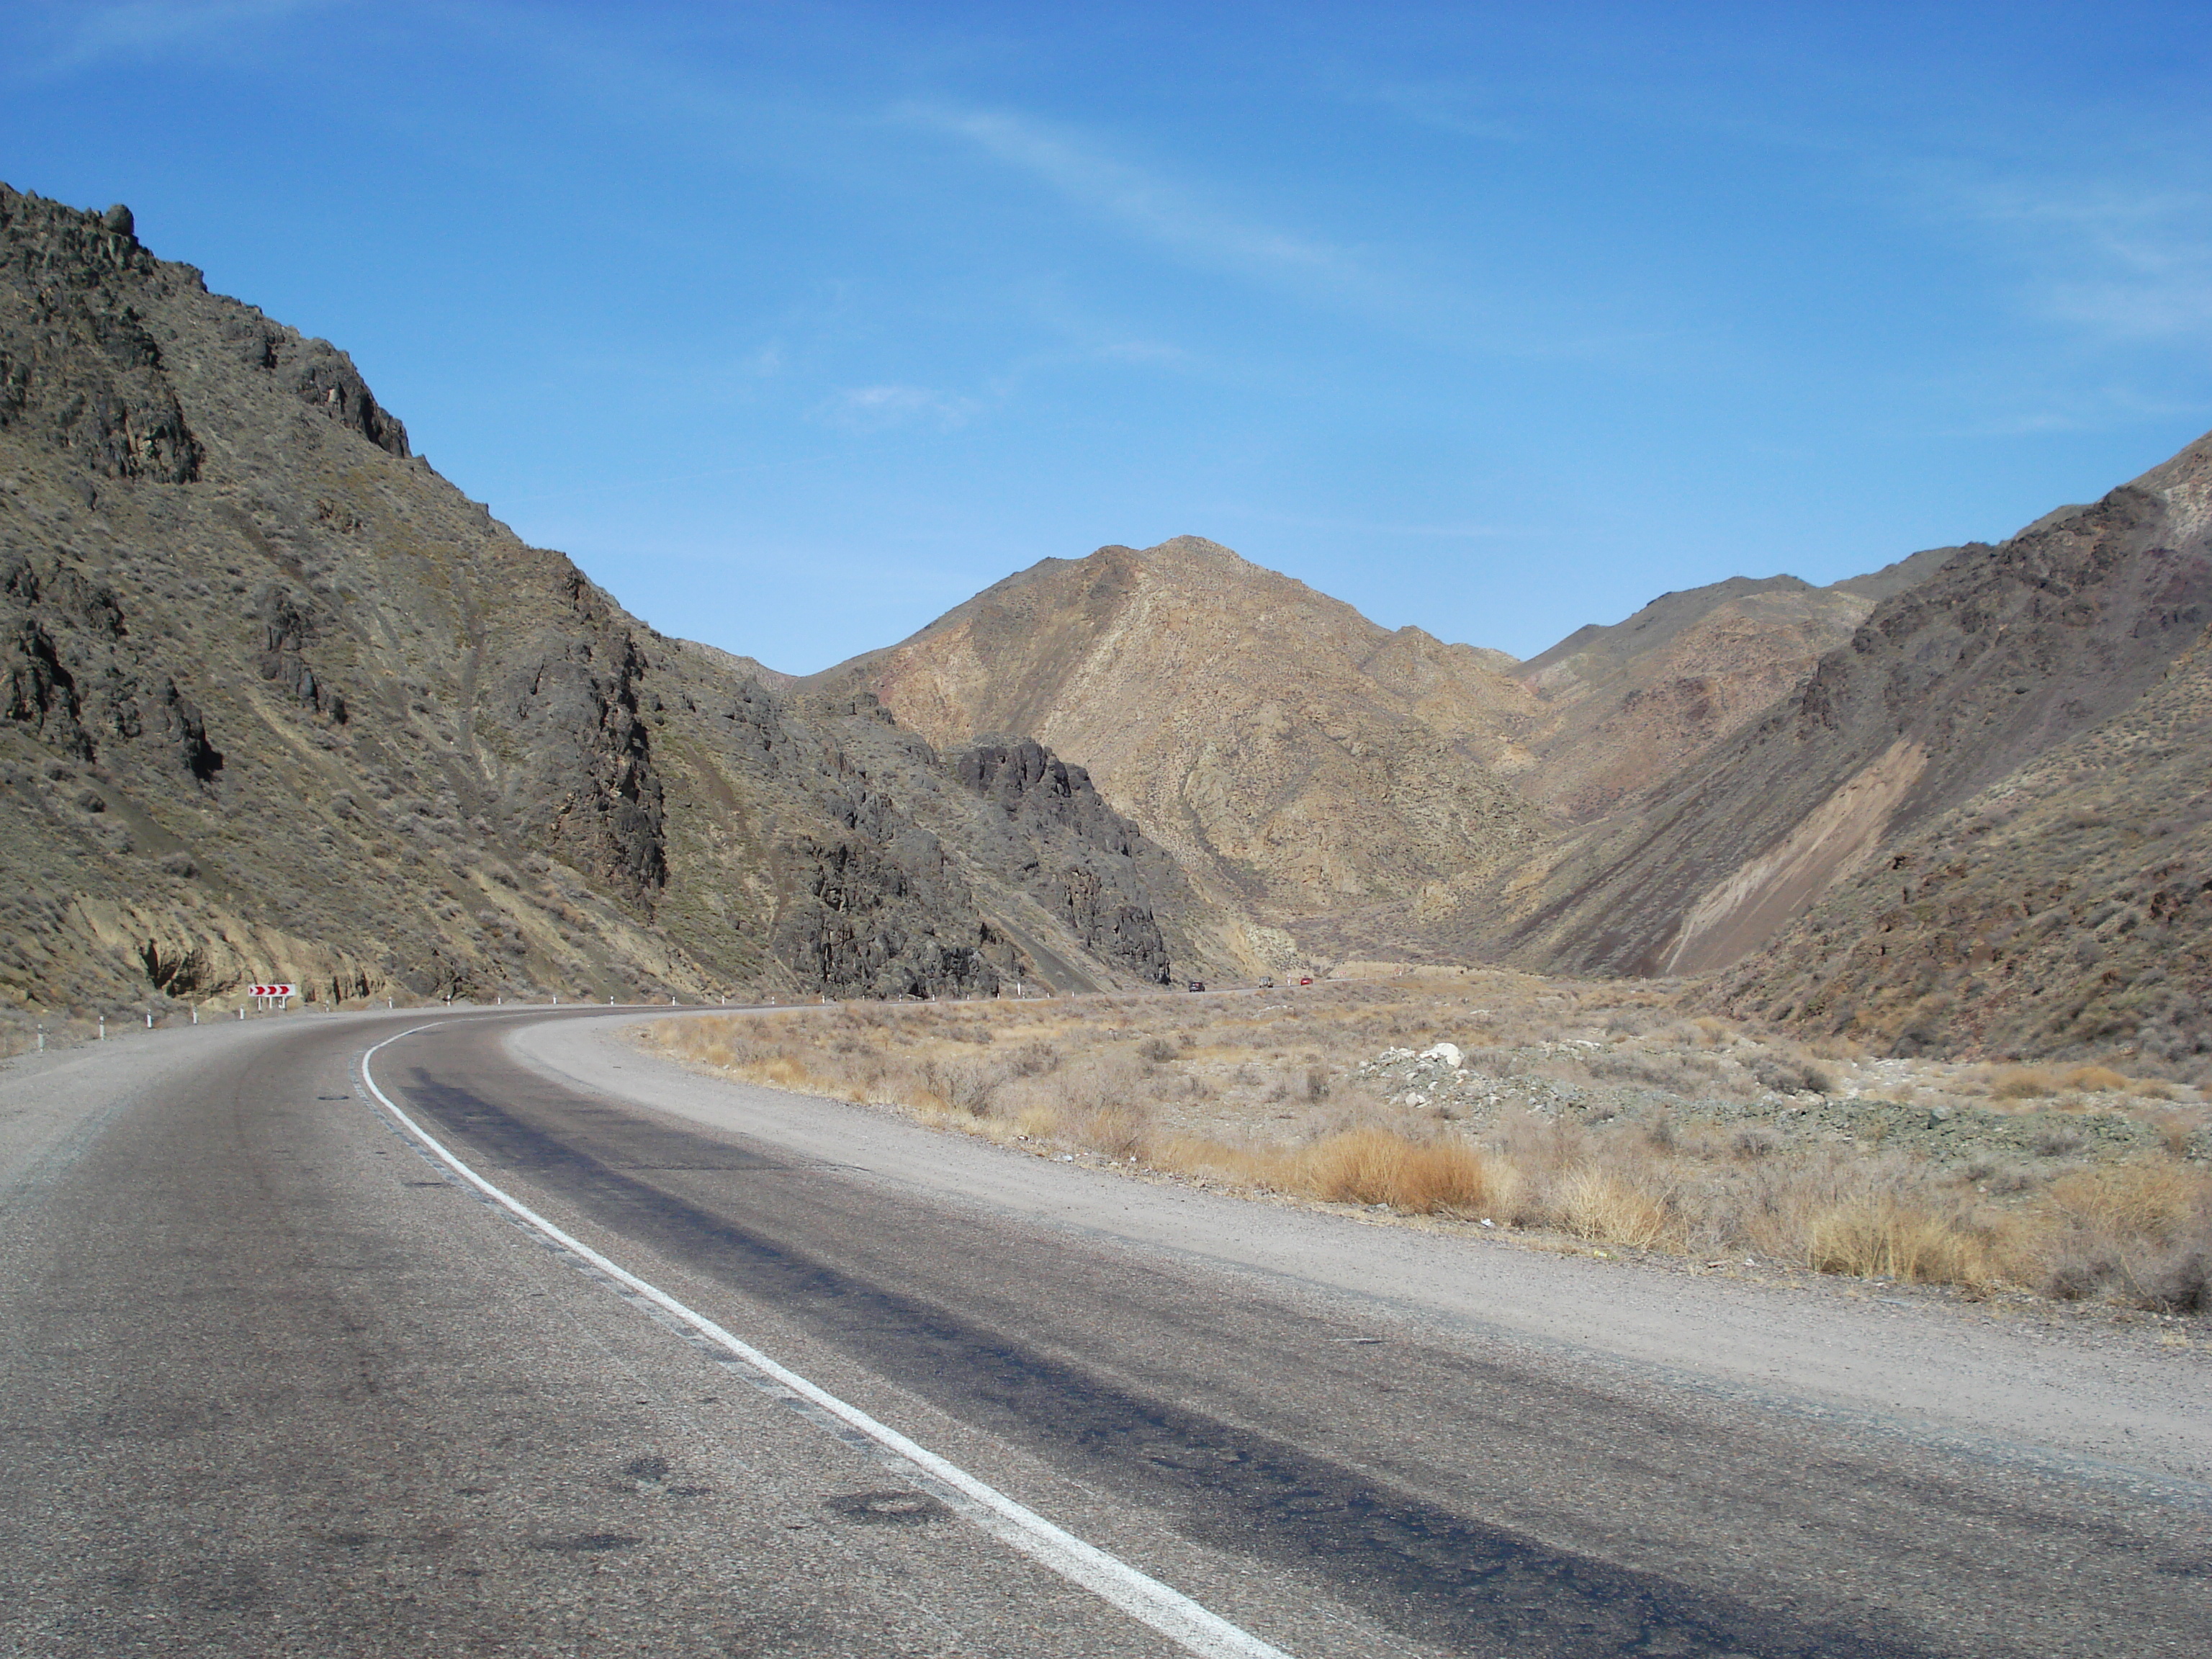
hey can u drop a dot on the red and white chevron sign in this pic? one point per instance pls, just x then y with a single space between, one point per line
273 990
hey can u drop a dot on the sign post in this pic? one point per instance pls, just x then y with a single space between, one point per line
273 995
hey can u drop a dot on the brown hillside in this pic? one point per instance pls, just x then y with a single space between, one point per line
1645 699
1637 702
2002 656
1295 757
2067 910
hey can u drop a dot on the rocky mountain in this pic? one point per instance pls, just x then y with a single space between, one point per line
1296 757
1352 790
2066 909
1645 699
2057 649
276 700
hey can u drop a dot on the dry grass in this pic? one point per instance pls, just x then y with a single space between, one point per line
2094 1079
2154 1202
1598 1205
1887 1237
1271 1097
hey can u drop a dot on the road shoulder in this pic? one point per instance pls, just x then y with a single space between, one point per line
2141 1418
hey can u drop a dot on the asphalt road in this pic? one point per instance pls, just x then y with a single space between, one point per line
272 1381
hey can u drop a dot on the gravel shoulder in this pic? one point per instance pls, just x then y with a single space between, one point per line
2111 1408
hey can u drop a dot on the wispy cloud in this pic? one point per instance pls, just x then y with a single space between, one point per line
1173 214
2127 265
878 408
1441 109
84 34
2078 409
1377 284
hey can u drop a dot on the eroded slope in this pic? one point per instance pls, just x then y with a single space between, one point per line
1950 686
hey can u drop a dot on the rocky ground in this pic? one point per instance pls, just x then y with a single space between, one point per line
1958 1116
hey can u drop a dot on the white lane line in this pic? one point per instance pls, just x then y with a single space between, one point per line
1143 1598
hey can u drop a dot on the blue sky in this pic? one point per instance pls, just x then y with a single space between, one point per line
795 325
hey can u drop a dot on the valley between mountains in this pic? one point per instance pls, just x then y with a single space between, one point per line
279 700
1233 1043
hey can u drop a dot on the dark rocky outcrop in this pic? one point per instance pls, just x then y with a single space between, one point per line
79 369
1076 855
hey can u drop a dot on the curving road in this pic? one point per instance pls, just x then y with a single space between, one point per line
274 1379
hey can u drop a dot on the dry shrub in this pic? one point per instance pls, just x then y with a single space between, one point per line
1788 1074
1034 1058
1683 1073
1600 1206
1541 1143
960 1085
1754 1141
1100 1102
2094 1079
2140 1202
2141 1232
1122 1131
1880 1238
2056 1141
1377 1165
2180 1283
1371 1164
1090 1074
2177 1130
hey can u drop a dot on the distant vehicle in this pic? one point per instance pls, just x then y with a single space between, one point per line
1266 984
1197 985
1306 980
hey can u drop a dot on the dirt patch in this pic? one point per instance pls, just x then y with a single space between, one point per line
1741 914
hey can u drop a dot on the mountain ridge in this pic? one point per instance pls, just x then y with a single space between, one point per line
1291 752
2005 652
276 700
